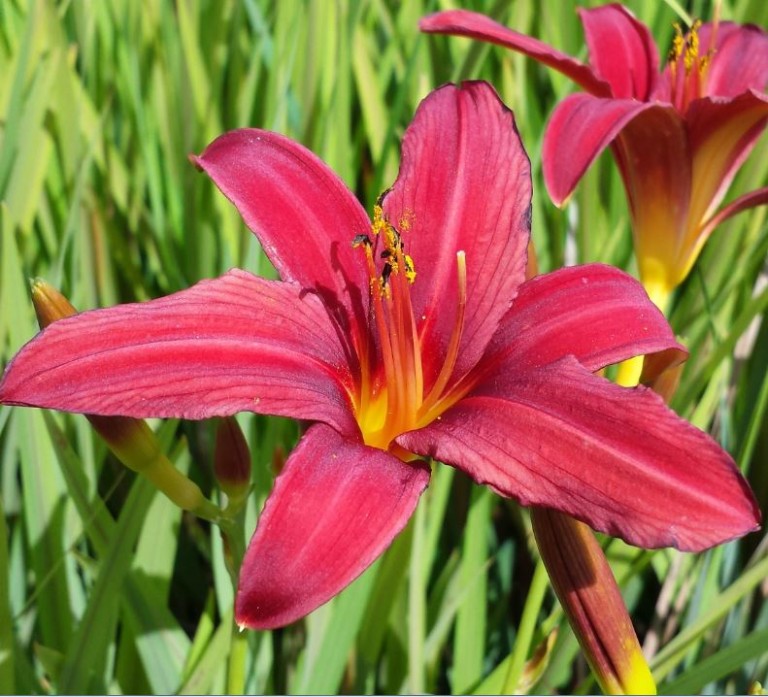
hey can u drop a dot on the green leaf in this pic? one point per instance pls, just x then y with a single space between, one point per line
719 665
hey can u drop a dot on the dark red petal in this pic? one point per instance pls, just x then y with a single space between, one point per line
464 184
303 214
621 51
237 343
750 200
581 127
476 26
335 508
616 458
596 313
740 60
722 133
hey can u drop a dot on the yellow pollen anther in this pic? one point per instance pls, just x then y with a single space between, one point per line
692 47
410 269
687 49
393 250
678 43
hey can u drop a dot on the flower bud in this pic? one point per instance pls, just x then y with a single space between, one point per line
49 303
132 441
587 590
232 459
532 263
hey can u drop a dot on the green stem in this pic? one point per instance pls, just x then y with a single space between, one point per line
416 607
525 631
232 526
134 443
236 669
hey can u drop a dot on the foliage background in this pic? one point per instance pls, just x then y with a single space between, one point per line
104 585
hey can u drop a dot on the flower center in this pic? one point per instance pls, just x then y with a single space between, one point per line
392 398
688 67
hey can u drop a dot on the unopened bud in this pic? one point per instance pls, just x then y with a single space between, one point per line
232 459
132 441
532 263
278 459
583 582
49 303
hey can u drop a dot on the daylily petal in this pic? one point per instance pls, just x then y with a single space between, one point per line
237 343
741 59
476 26
621 51
304 216
654 158
615 458
581 127
750 200
722 133
334 509
476 199
596 313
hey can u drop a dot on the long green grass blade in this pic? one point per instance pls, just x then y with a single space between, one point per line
94 634
726 661
7 648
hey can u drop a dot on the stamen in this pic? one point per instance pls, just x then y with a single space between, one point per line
395 402
692 47
678 43
453 345
377 293
690 84
409 339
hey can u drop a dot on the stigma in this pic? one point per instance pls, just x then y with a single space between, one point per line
392 397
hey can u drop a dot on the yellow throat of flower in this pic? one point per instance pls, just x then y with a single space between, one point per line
391 398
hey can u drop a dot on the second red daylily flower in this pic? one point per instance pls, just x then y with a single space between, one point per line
678 136
413 335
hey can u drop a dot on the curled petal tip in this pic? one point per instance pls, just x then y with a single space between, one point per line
195 160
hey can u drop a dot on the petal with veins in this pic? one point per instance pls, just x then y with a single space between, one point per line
335 507
595 312
476 199
237 343
616 458
304 216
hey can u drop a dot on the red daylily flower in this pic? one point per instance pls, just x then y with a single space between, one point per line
407 337
678 136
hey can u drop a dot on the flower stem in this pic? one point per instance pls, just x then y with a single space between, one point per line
238 651
525 631
416 607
